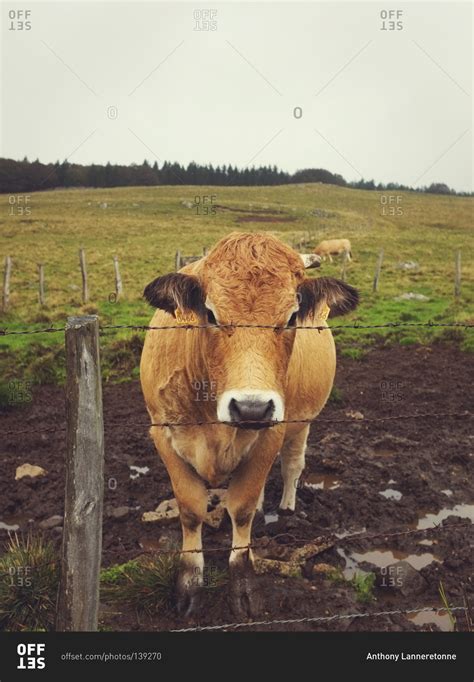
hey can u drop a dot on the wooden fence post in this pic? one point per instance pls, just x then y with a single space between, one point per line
85 290
177 261
344 264
377 271
78 598
118 279
42 299
457 275
6 283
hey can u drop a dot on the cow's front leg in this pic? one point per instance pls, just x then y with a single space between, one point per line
191 496
243 495
292 464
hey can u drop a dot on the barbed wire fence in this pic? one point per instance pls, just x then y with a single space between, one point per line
94 330
320 328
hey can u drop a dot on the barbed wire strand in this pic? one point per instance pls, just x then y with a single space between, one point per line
319 328
321 619
332 540
269 424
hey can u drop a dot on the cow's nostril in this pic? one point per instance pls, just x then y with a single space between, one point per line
251 410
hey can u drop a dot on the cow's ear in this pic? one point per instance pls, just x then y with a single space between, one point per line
339 296
175 290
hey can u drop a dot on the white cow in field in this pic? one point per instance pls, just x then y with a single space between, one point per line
333 247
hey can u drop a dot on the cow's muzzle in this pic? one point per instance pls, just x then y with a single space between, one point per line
251 414
250 409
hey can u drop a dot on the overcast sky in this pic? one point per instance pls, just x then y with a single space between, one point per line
124 81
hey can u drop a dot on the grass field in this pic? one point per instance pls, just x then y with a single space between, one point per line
144 226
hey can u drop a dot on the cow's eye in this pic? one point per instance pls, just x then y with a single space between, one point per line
211 318
292 321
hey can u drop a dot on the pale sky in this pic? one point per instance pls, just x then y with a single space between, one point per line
124 81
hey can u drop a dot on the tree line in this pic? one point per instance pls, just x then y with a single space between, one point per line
30 176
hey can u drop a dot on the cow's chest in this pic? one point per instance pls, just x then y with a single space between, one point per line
214 452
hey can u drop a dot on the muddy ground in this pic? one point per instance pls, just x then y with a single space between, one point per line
425 464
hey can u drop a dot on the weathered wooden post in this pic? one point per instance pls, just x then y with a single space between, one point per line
85 290
177 261
377 271
6 283
457 274
78 598
344 265
41 295
118 278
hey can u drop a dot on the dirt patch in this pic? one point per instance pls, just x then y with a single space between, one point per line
428 462
232 209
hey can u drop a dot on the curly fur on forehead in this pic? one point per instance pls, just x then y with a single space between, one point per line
253 274
253 255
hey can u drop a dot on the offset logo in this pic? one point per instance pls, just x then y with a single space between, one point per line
31 656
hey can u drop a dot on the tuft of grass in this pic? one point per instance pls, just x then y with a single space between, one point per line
336 396
29 579
446 605
363 584
353 352
149 583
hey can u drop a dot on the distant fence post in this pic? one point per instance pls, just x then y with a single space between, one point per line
344 264
118 278
377 271
85 290
457 274
177 261
78 598
6 283
41 295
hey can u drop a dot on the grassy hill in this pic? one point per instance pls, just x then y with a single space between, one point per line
144 226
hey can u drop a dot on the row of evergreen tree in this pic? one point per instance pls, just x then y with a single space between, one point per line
30 176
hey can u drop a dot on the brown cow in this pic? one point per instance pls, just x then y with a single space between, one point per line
333 247
260 376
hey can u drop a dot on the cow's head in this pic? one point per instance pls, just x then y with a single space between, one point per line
249 279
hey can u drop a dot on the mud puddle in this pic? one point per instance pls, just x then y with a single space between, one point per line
439 618
321 482
381 558
465 511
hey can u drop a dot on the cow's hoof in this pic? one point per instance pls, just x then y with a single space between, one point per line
244 597
285 512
